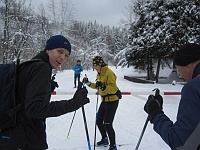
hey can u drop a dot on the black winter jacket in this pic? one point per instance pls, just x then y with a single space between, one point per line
34 84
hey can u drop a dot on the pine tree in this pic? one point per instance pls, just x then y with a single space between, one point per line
162 26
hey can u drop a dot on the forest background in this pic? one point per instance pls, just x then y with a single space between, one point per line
148 37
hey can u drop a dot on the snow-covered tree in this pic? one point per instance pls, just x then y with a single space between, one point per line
27 32
17 29
91 39
162 26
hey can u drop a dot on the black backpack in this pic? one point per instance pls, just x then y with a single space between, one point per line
8 89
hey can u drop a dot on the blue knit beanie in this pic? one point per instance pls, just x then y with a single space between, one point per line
58 41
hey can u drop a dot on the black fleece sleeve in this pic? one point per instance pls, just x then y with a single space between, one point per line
37 100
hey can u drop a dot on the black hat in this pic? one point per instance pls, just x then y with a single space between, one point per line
78 60
187 54
98 61
58 41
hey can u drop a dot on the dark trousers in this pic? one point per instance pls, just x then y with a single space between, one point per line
106 114
76 76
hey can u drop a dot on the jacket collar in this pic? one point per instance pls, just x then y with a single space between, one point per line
103 69
43 56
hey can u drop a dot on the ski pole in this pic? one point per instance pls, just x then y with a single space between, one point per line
157 91
71 125
96 119
72 118
80 84
142 133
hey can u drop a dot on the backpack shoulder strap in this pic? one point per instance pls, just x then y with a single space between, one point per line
22 65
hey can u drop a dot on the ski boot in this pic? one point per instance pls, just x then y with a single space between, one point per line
113 147
103 142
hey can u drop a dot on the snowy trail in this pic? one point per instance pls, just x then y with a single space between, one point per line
128 124
129 120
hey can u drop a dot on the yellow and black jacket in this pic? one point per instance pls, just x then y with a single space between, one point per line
107 77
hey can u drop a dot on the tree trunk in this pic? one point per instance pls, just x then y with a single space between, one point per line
158 70
150 71
5 35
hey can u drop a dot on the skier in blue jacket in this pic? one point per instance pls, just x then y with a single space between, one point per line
77 72
184 133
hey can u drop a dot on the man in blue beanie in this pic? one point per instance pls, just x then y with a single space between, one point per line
60 43
57 41
184 133
34 81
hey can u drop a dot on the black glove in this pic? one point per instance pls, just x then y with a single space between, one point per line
80 97
100 85
53 85
154 106
85 80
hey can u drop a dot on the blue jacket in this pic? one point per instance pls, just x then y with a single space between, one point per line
184 134
77 69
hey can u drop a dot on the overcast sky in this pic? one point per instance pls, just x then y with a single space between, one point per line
106 12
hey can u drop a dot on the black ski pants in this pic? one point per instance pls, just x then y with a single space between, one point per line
105 117
76 76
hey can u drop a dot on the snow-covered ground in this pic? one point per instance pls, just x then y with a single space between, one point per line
129 119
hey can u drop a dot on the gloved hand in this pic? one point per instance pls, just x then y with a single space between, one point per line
54 84
154 106
80 97
85 80
100 85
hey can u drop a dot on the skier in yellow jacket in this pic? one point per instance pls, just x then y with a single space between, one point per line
107 88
